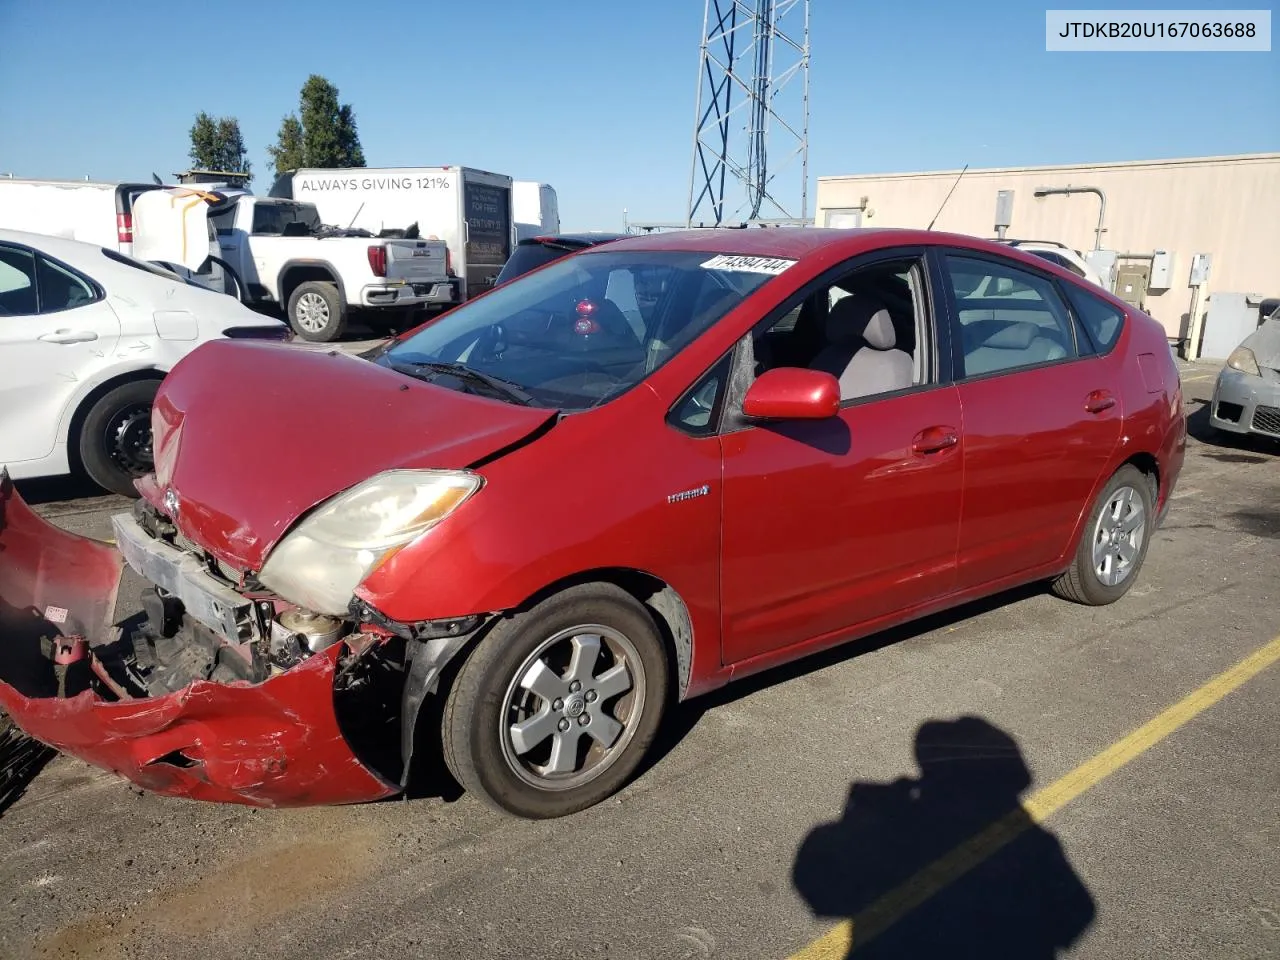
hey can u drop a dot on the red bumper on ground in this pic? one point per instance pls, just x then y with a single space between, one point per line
272 744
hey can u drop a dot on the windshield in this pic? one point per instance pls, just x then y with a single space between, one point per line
585 328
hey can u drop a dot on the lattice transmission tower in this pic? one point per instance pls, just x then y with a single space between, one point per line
752 118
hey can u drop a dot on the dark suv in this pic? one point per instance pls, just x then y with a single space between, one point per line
533 252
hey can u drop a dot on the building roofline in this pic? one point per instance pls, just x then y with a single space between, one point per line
1059 167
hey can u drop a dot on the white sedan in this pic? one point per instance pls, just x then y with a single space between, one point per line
86 335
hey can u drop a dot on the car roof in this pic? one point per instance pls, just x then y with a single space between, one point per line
62 248
101 263
585 239
801 242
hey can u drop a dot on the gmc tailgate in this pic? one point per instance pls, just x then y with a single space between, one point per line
416 261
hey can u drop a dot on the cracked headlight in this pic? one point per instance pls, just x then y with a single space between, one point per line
324 558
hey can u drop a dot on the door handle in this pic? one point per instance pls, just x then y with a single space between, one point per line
935 439
1098 401
68 336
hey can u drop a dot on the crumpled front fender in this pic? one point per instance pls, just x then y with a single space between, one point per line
68 580
271 744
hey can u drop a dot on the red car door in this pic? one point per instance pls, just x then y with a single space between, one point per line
832 523
1041 415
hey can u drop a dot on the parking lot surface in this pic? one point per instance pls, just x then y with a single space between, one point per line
779 807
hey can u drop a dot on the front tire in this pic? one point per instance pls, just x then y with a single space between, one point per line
317 312
1114 542
556 707
115 438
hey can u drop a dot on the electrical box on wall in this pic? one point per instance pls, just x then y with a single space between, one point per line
843 218
1162 266
1200 264
1132 281
1004 208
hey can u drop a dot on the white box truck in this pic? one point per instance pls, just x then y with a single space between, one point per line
537 209
469 209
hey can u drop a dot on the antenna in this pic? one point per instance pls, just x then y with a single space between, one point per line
356 214
946 198
751 116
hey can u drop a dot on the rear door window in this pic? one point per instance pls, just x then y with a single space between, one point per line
17 282
1009 318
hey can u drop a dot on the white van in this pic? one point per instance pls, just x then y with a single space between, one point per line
537 209
136 219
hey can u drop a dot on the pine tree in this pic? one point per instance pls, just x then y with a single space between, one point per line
322 134
287 152
216 144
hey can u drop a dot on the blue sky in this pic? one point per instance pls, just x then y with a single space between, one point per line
596 97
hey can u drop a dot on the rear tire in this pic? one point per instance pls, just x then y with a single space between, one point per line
317 312
1114 542
579 681
115 438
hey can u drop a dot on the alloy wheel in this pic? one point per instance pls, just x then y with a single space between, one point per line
572 707
1118 536
312 311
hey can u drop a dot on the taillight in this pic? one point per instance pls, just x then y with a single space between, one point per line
378 260
124 228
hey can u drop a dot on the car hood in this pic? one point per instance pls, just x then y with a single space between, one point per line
1265 343
249 436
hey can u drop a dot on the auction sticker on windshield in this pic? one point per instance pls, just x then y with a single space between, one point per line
744 264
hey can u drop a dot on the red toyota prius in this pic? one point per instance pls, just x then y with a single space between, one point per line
528 527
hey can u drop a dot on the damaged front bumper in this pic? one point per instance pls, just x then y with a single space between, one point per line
209 699
1246 404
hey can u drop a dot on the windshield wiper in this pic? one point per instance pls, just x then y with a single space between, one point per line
460 370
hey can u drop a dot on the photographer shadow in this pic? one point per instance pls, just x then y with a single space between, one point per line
949 864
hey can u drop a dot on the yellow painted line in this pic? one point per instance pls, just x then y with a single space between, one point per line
893 906
1203 376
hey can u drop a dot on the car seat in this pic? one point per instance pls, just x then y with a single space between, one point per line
862 349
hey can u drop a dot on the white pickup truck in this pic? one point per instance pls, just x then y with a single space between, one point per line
283 255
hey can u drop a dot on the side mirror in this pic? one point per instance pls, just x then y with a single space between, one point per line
792 393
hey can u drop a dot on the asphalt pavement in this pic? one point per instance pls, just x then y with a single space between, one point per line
780 807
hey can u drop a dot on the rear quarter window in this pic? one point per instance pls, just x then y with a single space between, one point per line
1101 321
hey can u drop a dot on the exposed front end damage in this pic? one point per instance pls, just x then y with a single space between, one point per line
219 691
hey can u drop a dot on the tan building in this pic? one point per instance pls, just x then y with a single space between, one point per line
1227 207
